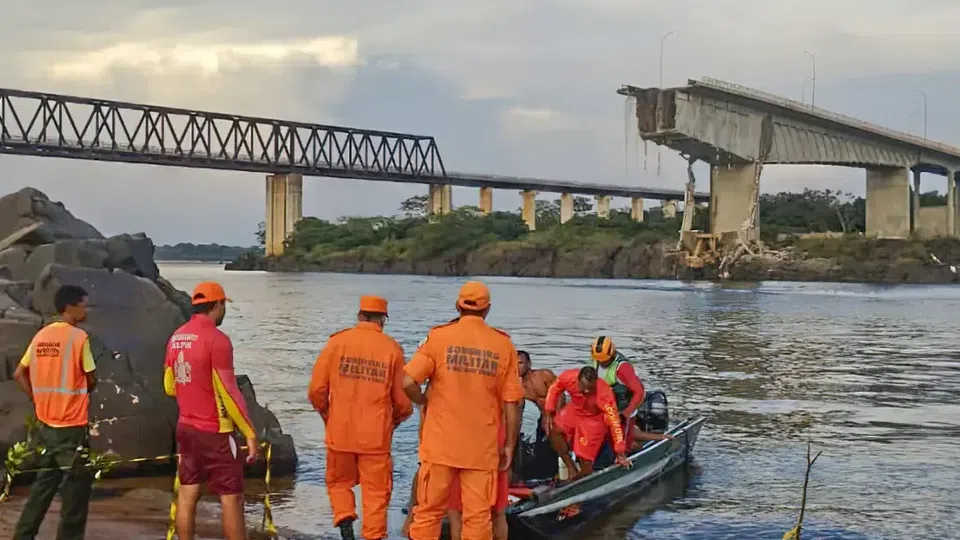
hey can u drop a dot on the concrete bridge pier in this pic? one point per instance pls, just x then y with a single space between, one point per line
636 209
934 221
529 209
915 203
951 203
668 209
486 200
731 196
284 210
888 202
566 207
603 206
439 199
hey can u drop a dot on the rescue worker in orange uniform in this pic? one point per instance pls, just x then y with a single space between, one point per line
473 374
499 508
199 372
57 371
581 421
357 389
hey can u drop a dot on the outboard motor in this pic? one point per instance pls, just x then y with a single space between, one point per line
654 415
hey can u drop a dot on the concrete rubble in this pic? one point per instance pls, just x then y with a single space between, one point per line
133 313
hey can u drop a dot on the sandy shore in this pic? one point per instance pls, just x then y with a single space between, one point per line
121 514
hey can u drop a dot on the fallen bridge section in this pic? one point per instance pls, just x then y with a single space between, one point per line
736 129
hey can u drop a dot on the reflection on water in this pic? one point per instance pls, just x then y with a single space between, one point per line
871 375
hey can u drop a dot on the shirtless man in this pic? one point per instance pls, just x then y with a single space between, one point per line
536 382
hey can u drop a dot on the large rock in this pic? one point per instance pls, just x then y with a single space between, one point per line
14 258
133 312
15 335
28 206
133 254
15 409
19 291
283 456
82 253
178 297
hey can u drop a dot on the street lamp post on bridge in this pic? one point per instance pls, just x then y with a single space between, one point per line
924 96
662 41
813 95
910 121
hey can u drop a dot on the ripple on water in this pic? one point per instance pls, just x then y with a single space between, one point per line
871 375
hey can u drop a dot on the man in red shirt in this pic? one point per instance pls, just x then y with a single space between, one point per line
198 371
584 421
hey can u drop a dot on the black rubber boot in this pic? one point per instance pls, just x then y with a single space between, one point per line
346 529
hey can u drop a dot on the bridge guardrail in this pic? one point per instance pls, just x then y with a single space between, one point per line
837 117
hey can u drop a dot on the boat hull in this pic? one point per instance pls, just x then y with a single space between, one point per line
566 510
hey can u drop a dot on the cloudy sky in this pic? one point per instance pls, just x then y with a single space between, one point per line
520 87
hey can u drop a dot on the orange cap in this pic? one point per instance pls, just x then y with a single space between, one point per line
474 296
209 291
373 304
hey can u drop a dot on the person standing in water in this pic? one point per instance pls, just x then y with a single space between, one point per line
199 372
474 379
356 388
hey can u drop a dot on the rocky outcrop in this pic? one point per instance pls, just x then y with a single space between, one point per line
133 313
600 260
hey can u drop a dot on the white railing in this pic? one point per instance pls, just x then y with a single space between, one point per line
830 115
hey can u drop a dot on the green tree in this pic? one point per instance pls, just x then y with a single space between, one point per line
414 236
933 198
415 206
811 211
582 205
262 234
465 229
548 214
201 252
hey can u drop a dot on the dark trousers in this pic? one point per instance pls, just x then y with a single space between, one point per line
63 448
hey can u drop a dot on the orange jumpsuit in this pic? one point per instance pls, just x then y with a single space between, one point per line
357 387
472 369
585 420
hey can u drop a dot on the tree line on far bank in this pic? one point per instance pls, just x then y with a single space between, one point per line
414 234
185 251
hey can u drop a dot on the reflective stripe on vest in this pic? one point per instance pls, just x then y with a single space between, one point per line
66 357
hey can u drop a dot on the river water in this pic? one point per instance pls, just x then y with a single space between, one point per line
869 375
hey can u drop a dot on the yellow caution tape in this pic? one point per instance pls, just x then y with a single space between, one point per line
103 463
267 523
7 481
171 529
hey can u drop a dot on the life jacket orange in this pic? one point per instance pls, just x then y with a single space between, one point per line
56 375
